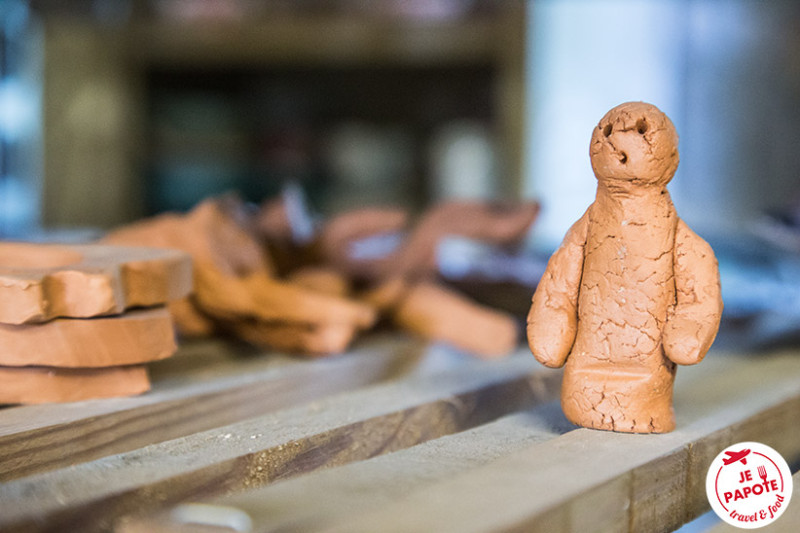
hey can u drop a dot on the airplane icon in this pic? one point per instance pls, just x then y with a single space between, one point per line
736 456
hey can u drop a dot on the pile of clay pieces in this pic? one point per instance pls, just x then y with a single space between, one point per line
80 322
277 278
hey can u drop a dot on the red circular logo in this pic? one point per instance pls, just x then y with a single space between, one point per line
749 485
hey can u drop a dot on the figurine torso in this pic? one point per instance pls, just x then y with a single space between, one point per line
627 290
627 284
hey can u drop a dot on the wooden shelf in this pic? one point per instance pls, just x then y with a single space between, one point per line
317 41
394 436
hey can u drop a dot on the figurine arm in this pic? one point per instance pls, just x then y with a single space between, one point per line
693 322
553 317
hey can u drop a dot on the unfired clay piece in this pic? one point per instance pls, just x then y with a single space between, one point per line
135 337
39 282
237 288
415 257
387 295
212 238
632 291
336 237
235 281
32 385
437 313
284 226
190 320
273 222
321 279
309 339
495 223
261 297
401 285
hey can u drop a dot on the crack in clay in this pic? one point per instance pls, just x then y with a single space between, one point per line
633 223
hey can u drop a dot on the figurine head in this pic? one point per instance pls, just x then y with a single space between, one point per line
634 145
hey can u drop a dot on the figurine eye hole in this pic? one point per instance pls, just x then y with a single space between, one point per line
641 126
607 130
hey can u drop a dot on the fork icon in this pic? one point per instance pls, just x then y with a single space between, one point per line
762 473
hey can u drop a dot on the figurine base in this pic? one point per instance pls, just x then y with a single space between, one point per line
627 402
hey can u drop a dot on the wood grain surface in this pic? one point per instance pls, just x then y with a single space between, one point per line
423 405
533 471
395 436
205 385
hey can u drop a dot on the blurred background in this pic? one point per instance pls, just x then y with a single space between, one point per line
112 110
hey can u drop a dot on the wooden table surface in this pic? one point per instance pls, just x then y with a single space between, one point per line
395 435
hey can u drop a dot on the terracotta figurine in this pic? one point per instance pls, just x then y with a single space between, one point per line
632 291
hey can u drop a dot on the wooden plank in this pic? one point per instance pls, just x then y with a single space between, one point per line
656 492
327 432
307 502
507 495
344 495
315 41
205 385
581 480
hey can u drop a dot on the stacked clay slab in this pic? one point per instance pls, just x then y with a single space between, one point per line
81 322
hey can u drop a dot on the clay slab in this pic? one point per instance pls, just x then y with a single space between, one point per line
47 385
135 337
39 282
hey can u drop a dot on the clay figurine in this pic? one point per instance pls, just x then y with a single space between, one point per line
632 291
